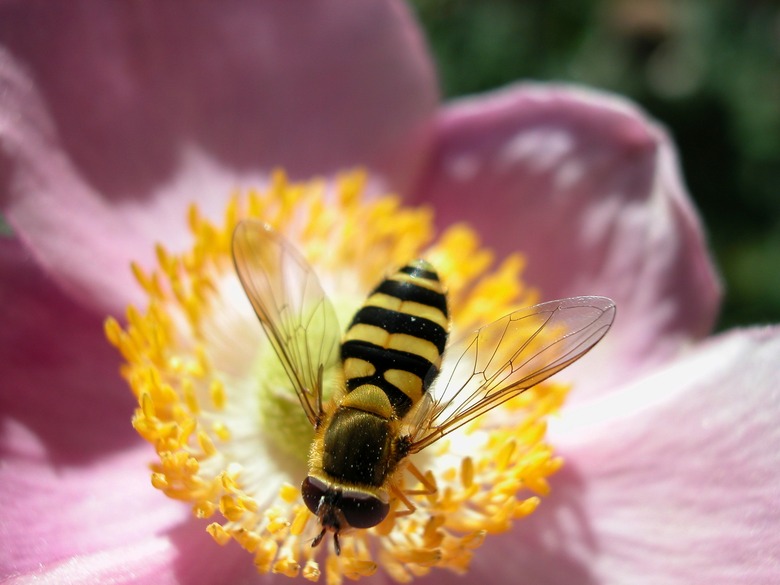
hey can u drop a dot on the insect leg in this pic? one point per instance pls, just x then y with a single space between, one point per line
427 480
318 538
410 507
428 488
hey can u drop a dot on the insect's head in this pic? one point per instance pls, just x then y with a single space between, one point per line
341 509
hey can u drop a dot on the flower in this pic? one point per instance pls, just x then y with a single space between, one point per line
670 445
218 406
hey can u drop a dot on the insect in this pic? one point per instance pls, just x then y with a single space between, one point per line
396 397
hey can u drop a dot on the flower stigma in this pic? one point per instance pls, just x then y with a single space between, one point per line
231 437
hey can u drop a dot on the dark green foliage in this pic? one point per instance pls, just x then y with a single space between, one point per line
707 69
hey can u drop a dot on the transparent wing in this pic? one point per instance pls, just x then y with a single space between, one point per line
297 316
501 360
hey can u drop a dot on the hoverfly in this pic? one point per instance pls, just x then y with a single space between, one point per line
395 401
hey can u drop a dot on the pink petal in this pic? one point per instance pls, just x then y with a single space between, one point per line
587 188
115 116
674 479
135 564
60 376
76 503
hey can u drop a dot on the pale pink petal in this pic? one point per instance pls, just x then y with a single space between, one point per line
76 504
60 376
115 115
589 190
144 562
674 479
101 518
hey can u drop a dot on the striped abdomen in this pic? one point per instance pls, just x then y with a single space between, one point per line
396 340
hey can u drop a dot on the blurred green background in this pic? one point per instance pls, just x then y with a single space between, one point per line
709 70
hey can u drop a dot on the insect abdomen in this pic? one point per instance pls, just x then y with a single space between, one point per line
396 340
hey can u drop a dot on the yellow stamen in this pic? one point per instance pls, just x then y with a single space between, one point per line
230 436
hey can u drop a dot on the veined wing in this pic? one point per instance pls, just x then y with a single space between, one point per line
508 356
293 309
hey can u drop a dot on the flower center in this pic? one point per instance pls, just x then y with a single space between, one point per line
230 433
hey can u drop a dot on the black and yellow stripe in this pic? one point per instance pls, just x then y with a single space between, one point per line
396 340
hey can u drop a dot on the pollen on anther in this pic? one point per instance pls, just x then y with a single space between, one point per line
419 556
221 431
265 554
204 509
113 331
538 485
217 393
299 521
147 405
149 283
467 472
311 571
159 481
359 567
432 535
277 524
505 455
218 533
527 506
287 567
230 509
248 539
289 493
188 390
206 444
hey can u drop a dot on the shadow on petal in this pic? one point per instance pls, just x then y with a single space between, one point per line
201 560
62 398
552 546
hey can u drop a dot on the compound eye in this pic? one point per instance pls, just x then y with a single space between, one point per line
363 510
312 490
